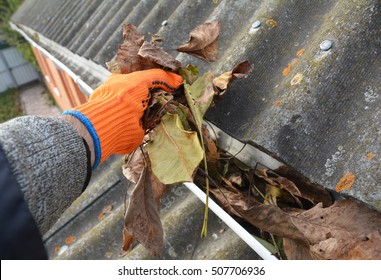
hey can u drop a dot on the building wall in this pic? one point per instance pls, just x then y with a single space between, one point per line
61 85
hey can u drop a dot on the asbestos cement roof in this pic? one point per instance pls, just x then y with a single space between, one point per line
312 101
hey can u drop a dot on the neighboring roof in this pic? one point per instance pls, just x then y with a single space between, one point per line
316 110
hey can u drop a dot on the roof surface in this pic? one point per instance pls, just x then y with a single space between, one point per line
316 110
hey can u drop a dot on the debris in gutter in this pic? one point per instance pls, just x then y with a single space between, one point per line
297 223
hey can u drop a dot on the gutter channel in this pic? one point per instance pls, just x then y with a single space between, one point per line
244 152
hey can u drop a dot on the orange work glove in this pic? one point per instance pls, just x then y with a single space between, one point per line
114 110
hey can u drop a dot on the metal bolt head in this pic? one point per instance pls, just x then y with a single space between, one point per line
326 45
256 24
164 23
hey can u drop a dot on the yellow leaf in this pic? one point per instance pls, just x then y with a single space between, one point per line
174 152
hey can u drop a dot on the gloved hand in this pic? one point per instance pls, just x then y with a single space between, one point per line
114 111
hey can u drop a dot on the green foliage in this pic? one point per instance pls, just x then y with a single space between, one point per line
10 105
7 8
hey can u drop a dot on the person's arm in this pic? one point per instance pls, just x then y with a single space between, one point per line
50 162
51 158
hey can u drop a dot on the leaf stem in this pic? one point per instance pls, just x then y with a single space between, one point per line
275 245
204 230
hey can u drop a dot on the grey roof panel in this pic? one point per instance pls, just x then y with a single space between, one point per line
94 25
109 46
318 111
96 237
81 17
62 19
328 112
94 43
48 17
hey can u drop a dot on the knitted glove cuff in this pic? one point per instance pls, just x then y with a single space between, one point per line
114 127
89 126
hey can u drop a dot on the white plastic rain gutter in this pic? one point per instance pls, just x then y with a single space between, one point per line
77 79
228 220
247 151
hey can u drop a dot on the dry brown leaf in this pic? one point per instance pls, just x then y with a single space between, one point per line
132 170
229 185
281 182
133 166
290 187
295 250
236 178
269 218
309 191
240 70
159 56
156 39
142 220
228 200
128 240
202 42
212 152
158 189
287 185
340 231
127 59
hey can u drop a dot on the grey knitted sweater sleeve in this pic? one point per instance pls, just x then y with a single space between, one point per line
49 160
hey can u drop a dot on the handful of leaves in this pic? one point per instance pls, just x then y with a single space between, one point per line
300 220
173 124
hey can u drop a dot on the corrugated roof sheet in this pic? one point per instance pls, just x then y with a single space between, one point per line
316 110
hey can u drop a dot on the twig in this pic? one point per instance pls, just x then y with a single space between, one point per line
276 246
236 154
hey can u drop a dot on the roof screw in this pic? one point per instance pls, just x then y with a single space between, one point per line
254 27
256 24
326 45
164 23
